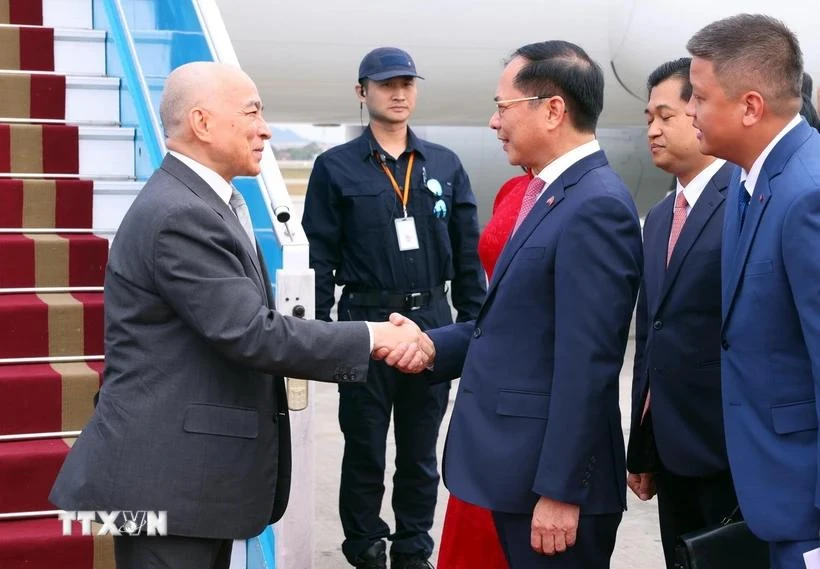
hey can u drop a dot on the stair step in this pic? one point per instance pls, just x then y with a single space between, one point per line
106 152
58 324
42 203
66 13
52 260
47 398
64 50
28 150
79 52
40 544
27 473
111 202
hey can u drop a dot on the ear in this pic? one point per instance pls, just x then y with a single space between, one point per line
360 92
200 122
753 107
555 111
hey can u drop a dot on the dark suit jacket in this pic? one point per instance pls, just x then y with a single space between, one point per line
537 408
677 350
771 341
192 417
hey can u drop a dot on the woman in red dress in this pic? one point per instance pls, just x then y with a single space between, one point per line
469 539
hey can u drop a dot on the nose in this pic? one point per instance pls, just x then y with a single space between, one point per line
265 131
653 129
690 107
495 120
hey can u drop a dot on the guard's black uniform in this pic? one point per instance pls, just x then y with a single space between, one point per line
350 208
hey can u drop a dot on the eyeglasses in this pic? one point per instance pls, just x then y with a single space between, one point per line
505 104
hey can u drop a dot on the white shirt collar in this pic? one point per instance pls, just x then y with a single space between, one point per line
554 169
752 175
217 183
696 185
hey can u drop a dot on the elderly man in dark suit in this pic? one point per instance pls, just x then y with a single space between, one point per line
192 417
676 440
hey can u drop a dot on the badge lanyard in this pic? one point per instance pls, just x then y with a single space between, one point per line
406 195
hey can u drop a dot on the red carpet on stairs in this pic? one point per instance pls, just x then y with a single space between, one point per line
47 398
40 325
32 96
40 544
29 469
27 48
49 260
21 12
39 149
46 203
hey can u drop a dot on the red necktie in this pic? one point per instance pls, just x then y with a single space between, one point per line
530 196
678 219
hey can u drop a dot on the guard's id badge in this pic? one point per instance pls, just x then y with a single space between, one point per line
406 233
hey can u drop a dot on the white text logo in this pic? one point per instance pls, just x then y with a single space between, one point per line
117 523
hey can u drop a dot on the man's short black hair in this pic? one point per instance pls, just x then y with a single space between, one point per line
678 69
562 68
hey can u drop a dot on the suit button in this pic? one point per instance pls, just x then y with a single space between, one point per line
724 344
657 325
477 332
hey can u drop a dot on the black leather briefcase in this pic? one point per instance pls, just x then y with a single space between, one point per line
730 545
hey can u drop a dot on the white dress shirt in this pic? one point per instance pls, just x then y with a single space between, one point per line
554 169
752 175
696 185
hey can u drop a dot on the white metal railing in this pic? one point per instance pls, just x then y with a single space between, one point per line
275 193
29 515
51 360
50 289
39 436
38 230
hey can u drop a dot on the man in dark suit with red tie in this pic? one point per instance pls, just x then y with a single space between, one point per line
676 442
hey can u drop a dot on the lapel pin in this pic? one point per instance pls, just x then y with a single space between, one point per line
550 201
760 198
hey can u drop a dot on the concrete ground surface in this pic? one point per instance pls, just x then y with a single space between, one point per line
638 544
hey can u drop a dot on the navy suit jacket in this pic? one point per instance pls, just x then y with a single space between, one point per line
771 341
677 350
537 407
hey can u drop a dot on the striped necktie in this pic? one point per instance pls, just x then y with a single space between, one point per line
240 209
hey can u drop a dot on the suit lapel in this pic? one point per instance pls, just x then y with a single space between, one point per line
701 213
656 262
207 194
743 244
546 204
735 258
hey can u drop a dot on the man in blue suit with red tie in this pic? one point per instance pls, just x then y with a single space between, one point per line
746 74
535 435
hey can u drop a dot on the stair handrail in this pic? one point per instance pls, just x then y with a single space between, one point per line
135 80
275 194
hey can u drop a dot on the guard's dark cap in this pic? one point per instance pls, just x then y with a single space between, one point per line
385 63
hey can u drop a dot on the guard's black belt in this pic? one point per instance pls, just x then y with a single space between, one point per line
395 300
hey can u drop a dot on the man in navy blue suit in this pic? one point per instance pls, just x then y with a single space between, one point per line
676 441
536 429
746 74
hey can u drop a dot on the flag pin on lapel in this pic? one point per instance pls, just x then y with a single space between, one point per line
760 198
550 201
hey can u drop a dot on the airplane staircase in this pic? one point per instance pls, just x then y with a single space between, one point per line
80 82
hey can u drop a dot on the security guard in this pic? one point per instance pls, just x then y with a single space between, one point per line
392 218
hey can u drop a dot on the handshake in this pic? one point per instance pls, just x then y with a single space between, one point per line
402 344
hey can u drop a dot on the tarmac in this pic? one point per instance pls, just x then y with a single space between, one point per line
638 544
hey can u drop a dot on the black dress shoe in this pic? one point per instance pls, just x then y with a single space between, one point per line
409 561
373 557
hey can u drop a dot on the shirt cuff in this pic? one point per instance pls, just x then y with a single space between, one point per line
370 333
